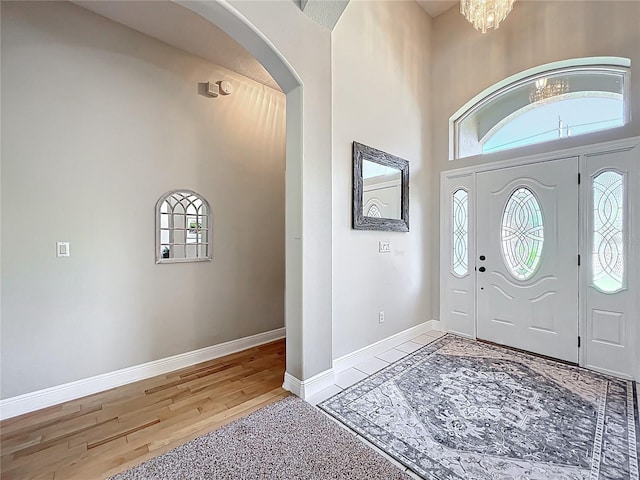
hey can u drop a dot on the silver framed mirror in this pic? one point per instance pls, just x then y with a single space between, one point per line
380 190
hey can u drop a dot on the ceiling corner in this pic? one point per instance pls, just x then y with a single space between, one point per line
325 12
436 7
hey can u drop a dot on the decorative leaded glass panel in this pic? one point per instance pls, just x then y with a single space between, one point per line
608 225
460 240
522 233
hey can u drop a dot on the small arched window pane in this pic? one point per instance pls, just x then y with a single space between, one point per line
460 233
608 227
183 226
522 233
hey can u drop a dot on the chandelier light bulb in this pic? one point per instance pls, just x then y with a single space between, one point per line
541 83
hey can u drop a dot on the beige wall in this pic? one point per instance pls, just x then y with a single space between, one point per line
300 45
97 122
465 62
380 84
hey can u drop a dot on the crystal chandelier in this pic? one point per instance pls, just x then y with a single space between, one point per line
485 14
545 88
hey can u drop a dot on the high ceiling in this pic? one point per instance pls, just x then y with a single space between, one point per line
436 7
183 29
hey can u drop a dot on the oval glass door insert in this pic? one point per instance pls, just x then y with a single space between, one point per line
522 233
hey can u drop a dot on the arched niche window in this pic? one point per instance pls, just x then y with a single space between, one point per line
546 103
183 228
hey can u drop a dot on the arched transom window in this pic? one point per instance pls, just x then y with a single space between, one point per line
183 227
552 102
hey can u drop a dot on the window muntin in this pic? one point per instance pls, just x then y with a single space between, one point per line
608 256
522 234
524 98
460 233
183 228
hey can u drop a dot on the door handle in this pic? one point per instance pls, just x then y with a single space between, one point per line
481 269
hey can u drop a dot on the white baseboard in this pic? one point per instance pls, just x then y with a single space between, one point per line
14 406
292 384
434 324
306 388
354 358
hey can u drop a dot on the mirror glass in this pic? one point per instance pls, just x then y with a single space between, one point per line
381 191
183 224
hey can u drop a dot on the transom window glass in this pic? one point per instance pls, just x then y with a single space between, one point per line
549 105
460 224
561 118
183 228
608 227
522 233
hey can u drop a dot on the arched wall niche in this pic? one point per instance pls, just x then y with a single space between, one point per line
299 60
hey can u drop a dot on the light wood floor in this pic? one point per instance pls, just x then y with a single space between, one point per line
103 434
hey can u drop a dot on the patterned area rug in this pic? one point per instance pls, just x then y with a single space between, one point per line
460 409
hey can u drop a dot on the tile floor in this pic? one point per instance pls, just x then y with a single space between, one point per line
370 366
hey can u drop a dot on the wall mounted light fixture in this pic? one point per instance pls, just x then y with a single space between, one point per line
223 87
212 89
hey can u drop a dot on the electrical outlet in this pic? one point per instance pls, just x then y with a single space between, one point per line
381 317
384 247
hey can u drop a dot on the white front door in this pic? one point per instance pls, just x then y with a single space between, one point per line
527 257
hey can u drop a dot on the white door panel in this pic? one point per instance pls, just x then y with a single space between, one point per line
527 285
611 273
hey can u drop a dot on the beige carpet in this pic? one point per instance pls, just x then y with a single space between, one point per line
289 439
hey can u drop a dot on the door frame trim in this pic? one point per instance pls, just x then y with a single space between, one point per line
583 150
581 153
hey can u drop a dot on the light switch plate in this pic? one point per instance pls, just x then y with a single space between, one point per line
62 249
384 247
